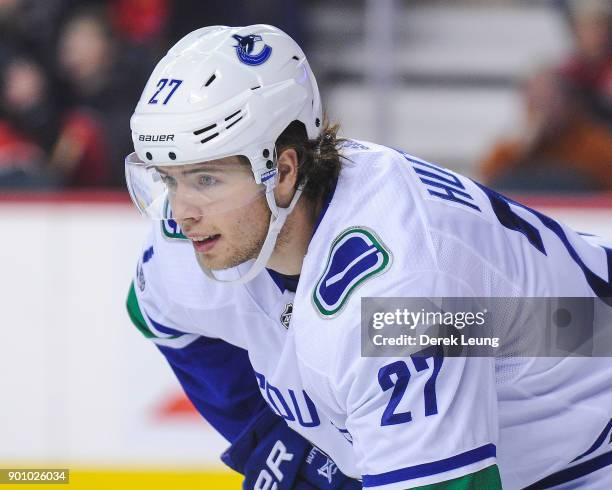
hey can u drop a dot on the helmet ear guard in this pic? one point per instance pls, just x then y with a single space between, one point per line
220 92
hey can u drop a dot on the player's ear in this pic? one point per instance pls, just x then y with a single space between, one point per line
287 176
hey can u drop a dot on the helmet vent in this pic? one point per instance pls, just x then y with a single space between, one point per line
237 120
233 115
210 80
295 58
203 130
209 138
255 88
213 130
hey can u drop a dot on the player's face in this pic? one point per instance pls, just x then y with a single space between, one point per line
220 209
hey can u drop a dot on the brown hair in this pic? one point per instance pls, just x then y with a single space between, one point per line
319 162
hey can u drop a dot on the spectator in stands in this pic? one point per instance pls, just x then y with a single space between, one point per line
21 158
31 26
589 68
141 22
561 147
44 146
100 74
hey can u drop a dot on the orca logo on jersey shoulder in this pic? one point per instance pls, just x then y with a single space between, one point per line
169 227
140 277
285 317
356 255
245 47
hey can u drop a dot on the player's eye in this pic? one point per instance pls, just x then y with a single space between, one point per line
206 180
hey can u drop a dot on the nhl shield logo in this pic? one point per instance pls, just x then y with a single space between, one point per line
285 317
356 255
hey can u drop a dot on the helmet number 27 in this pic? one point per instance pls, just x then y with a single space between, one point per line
165 83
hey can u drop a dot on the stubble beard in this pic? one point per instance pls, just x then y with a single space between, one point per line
244 241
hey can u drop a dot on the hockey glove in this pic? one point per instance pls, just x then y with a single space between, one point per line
271 456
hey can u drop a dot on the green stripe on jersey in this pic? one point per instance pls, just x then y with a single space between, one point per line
133 309
486 479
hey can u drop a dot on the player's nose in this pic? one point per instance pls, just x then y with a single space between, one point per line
184 208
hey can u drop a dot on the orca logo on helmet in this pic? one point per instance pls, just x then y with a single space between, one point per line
246 45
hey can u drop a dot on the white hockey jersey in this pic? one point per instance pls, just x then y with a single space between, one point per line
397 226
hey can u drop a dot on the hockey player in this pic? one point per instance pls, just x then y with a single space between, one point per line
270 231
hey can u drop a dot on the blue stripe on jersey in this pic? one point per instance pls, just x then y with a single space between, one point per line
429 469
509 219
164 329
598 442
600 287
573 473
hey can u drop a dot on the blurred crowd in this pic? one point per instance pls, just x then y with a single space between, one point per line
71 72
565 141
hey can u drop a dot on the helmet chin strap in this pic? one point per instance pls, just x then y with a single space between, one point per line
277 220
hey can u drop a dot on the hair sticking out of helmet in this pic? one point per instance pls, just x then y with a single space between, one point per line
319 161
262 83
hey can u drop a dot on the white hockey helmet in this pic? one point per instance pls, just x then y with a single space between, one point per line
219 92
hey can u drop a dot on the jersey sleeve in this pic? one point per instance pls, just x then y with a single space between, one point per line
216 376
421 421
